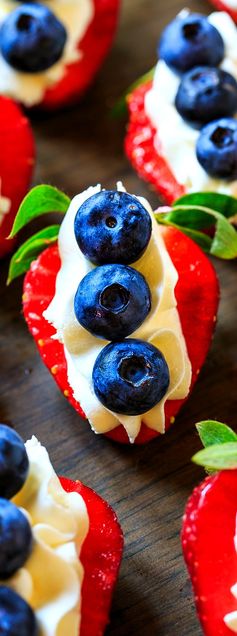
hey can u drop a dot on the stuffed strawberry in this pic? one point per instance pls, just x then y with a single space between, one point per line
122 308
15 168
229 6
59 527
209 534
50 51
182 132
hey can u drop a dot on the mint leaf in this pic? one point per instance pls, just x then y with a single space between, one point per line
120 107
224 243
222 203
40 200
217 456
212 432
202 239
23 257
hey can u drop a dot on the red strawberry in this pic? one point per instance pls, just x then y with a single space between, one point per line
16 164
140 149
93 47
101 556
197 297
223 7
208 543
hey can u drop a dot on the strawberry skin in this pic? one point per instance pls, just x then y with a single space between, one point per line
93 47
101 556
197 294
208 544
16 163
141 152
218 4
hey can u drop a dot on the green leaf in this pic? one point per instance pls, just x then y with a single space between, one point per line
222 203
40 200
120 108
202 239
212 432
218 456
27 252
224 243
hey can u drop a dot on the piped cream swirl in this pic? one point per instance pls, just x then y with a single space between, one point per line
162 327
51 579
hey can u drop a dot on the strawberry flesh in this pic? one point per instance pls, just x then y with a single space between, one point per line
197 293
101 556
16 163
209 527
141 151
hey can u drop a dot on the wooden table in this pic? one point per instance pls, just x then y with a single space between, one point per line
149 485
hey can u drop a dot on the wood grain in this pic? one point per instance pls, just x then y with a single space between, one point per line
148 486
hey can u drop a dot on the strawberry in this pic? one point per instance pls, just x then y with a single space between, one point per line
197 298
100 556
15 167
93 47
222 6
209 528
140 149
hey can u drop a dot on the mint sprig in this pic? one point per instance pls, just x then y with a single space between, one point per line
220 441
28 251
40 200
191 214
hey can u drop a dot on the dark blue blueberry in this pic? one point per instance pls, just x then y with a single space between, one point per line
217 149
14 463
189 41
16 616
112 227
31 38
112 301
130 376
205 94
15 539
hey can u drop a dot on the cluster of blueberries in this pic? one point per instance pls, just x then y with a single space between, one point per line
32 39
16 541
207 96
113 229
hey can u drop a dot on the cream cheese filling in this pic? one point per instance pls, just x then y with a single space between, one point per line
29 88
231 618
162 326
175 139
51 579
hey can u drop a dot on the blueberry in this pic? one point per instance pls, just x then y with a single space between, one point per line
16 616
130 376
31 38
205 94
190 40
15 539
14 463
216 149
112 227
112 301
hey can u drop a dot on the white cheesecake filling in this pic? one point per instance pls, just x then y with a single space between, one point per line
162 326
29 88
51 579
175 139
232 4
231 618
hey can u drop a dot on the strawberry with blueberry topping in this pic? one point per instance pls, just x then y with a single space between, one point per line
209 532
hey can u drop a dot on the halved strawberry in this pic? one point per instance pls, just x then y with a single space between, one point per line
141 151
197 294
17 156
100 556
224 7
208 543
93 47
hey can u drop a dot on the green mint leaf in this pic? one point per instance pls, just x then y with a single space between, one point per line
222 203
212 432
120 108
40 200
202 239
224 243
217 456
23 257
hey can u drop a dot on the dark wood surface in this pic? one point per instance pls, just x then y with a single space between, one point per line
149 485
